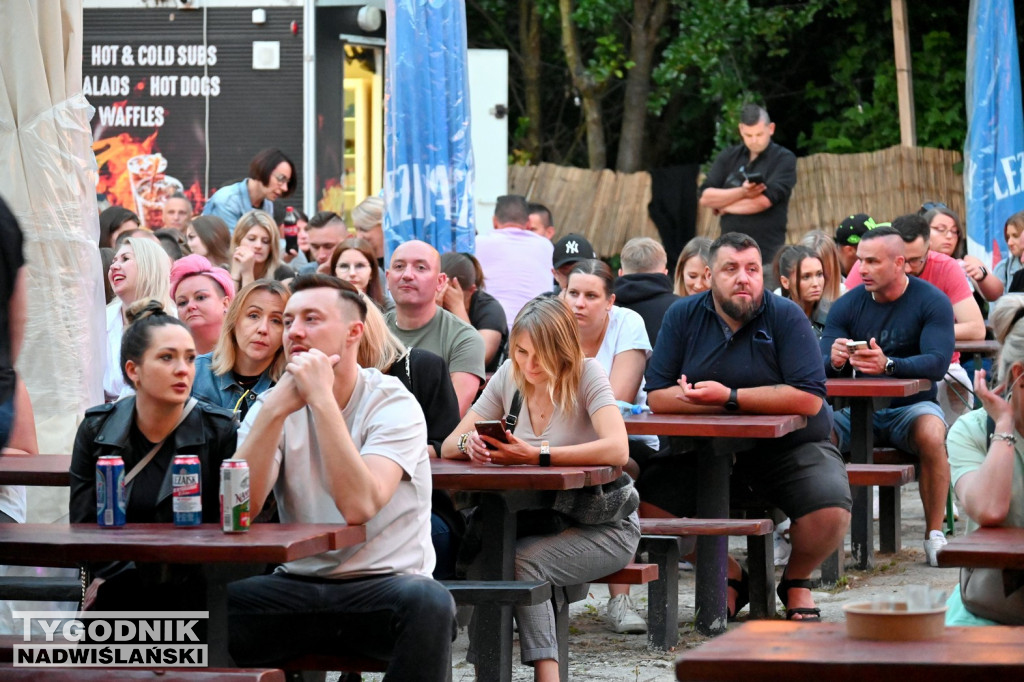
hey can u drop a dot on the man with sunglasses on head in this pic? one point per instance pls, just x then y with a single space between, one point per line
908 326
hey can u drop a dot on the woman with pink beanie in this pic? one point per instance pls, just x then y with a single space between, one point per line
202 293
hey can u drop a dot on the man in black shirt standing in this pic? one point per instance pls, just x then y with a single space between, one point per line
749 184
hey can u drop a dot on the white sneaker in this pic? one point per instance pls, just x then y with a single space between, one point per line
783 547
622 618
936 541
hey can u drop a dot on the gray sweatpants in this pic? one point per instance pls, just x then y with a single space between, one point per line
572 557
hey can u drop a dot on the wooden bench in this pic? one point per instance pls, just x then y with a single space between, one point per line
9 672
889 478
660 543
37 588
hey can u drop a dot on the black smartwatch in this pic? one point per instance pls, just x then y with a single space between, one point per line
545 454
732 403
890 367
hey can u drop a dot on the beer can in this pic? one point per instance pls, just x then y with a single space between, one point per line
234 495
188 501
110 498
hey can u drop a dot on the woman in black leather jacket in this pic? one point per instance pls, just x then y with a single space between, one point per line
158 361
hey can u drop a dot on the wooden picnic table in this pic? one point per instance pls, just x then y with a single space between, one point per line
986 548
224 556
864 395
506 490
35 470
713 492
790 650
978 350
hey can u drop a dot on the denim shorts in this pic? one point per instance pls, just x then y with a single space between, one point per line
893 426
6 421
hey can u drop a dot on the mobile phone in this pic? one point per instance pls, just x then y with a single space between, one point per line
755 178
492 428
854 346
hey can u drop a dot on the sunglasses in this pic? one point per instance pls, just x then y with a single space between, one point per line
930 205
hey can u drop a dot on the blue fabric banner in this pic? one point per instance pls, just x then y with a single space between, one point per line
994 152
428 179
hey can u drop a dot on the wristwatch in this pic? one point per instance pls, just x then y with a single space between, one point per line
732 404
545 454
890 367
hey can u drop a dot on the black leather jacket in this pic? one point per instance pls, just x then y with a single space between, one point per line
208 432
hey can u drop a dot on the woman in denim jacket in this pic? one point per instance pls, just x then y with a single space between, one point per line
249 357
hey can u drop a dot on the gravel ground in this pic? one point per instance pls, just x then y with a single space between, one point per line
599 655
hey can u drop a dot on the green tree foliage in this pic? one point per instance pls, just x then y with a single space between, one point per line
823 68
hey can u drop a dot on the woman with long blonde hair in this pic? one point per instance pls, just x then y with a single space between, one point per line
140 269
256 248
567 416
249 356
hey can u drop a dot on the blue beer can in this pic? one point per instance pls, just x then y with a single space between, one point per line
110 498
188 501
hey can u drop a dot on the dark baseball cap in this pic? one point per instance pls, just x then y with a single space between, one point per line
570 249
853 228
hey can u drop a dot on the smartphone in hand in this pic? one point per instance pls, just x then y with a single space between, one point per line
492 428
755 178
854 346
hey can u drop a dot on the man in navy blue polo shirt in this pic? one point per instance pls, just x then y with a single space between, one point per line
734 348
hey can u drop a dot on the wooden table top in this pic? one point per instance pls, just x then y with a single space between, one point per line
451 474
981 347
986 548
35 470
760 650
61 544
875 387
736 425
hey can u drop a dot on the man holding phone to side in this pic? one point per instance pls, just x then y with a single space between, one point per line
749 185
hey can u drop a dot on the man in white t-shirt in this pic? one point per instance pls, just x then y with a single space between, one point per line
514 259
342 444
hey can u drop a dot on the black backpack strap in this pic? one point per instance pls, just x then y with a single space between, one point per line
990 429
513 411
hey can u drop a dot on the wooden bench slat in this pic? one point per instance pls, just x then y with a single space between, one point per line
512 592
632 574
37 588
892 456
880 474
686 526
9 672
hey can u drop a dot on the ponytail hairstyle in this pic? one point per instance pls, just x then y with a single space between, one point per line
143 316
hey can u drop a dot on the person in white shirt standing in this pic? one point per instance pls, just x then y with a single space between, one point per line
514 259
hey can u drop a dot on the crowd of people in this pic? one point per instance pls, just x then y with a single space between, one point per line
337 375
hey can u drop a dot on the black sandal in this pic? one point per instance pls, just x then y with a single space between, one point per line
742 587
785 585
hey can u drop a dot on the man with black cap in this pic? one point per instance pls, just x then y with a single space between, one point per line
569 250
848 236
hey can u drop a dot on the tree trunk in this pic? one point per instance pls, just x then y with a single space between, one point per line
529 45
590 92
648 19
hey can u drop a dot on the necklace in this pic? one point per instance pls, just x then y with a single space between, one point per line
600 339
906 284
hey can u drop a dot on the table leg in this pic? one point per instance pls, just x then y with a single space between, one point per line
862 445
492 636
712 551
